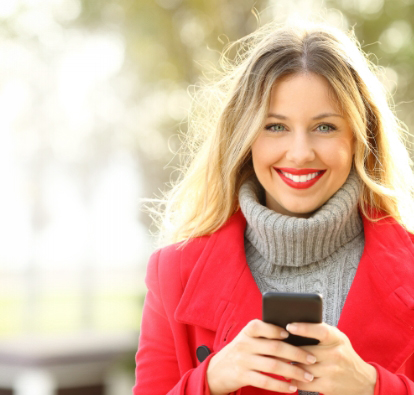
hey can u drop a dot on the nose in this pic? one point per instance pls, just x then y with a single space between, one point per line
300 150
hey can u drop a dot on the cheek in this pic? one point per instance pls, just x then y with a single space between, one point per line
338 155
264 153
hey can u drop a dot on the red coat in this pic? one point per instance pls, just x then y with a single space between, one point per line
204 294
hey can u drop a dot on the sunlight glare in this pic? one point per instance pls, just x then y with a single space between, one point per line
8 8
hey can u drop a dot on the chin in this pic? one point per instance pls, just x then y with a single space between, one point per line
301 213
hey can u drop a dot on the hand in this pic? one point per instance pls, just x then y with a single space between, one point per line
339 370
257 348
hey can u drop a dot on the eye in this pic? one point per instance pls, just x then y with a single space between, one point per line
327 128
275 127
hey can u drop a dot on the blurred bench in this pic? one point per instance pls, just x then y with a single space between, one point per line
66 365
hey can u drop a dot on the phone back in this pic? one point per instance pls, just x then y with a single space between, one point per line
281 308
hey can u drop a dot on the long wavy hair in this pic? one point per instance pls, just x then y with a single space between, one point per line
228 114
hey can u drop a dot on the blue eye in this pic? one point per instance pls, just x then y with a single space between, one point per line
278 127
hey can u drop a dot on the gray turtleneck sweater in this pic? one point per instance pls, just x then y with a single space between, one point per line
316 254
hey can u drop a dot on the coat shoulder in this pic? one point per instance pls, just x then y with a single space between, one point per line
182 257
179 258
168 271
386 225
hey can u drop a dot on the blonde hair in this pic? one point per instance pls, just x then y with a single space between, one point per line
228 115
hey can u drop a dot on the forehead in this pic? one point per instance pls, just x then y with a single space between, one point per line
304 90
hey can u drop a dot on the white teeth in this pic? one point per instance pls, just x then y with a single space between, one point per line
302 178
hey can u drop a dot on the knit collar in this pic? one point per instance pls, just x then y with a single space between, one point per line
290 241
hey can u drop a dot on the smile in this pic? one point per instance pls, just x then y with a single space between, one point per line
300 181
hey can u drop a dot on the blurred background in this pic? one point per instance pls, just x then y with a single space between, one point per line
93 94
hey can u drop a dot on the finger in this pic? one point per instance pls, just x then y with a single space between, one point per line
320 352
317 370
325 333
258 328
279 349
278 367
260 380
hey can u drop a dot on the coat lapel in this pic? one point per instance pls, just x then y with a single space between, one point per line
220 293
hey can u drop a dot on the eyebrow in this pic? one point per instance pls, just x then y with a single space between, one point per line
320 116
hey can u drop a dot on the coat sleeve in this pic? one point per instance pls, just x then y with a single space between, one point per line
157 369
391 383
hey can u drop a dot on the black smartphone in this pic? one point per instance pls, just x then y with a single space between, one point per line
280 308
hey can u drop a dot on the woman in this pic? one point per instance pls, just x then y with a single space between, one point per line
300 182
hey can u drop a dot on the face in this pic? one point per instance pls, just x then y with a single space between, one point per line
304 153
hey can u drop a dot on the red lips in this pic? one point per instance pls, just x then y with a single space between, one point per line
298 172
300 185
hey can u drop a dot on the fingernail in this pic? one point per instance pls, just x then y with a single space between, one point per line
311 358
308 376
284 334
291 327
292 388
